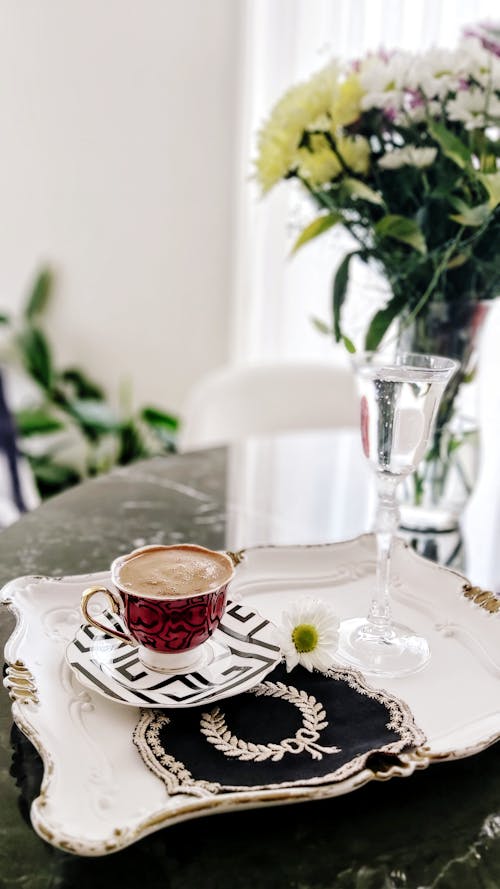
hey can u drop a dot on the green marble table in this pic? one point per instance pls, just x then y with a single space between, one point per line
439 828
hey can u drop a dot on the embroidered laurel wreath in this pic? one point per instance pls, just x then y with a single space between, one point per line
213 725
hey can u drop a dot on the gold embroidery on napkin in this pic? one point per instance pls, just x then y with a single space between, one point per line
213 725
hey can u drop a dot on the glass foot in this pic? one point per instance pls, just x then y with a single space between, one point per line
397 653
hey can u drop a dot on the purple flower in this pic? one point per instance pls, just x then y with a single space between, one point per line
488 33
415 98
390 113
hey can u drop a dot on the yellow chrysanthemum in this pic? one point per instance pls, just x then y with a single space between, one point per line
346 105
298 110
318 163
355 151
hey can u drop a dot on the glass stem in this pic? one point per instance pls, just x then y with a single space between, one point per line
386 524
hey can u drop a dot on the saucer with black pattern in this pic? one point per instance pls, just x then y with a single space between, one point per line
237 656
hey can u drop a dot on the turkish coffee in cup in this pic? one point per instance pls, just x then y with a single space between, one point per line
170 599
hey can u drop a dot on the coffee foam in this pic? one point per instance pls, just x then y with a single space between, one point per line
174 572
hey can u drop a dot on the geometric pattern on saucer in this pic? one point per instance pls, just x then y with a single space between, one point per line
238 655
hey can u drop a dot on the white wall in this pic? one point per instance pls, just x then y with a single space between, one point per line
117 167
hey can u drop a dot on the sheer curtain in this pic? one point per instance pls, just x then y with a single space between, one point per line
275 297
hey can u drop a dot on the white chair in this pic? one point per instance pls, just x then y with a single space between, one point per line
234 403
319 483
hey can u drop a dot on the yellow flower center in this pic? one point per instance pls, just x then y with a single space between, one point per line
305 637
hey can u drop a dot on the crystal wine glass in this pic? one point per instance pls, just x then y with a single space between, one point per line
399 404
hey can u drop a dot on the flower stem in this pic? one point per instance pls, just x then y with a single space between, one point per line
441 266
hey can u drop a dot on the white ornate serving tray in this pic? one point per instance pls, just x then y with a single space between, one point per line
97 796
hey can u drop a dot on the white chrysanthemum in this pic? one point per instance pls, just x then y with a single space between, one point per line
420 113
388 100
379 73
490 80
309 635
410 156
383 80
436 73
474 108
474 60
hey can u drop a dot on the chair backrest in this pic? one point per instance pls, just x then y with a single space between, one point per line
251 400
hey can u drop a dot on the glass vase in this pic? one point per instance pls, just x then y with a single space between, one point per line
433 499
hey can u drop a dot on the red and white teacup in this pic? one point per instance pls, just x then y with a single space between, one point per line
170 599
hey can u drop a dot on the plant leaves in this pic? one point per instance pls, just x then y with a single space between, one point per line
471 216
315 228
340 283
349 345
450 145
83 387
458 260
357 189
53 473
155 417
401 229
51 477
131 444
94 416
39 296
491 182
36 357
321 325
4 319
36 421
381 322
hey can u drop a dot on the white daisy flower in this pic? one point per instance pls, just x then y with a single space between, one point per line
474 108
436 73
309 635
410 156
383 79
420 113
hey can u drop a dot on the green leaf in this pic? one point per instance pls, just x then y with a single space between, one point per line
381 322
83 387
95 417
450 145
357 189
491 182
157 418
321 326
52 478
35 354
36 421
4 319
458 260
471 216
340 283
401 229
54 473
39 295
131 444
315 228
349 344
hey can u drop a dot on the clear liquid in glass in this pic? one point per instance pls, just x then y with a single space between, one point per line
398 406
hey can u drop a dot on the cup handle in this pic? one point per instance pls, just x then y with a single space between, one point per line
114 604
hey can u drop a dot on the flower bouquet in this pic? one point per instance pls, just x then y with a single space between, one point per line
402 150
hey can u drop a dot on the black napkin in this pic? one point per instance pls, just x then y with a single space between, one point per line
295 728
